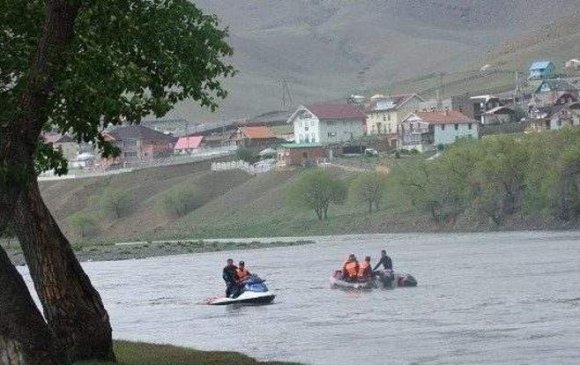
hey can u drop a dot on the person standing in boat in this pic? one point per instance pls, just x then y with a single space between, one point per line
385 261
230 277
350 268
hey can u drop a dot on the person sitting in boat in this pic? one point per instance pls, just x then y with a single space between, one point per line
230 277
350 268
364 271
242 273
385 261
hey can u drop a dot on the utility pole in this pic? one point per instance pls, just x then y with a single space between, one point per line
286 96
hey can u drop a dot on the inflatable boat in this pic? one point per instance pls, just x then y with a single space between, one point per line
385 279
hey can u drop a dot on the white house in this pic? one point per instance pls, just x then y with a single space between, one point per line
563 115
427 130
327 123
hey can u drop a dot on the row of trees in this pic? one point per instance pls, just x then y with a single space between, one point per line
318 189
535 175
78 66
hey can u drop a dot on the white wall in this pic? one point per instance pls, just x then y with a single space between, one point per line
448 133
335 131
306 128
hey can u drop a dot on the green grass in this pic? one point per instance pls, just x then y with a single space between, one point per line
137 353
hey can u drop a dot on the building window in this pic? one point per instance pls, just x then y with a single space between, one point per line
442 127
469 126
384 118
306 129
389 117
456 126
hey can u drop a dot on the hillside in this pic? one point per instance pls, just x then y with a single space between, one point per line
234 204
330 49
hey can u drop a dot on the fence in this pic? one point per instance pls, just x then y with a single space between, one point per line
242 165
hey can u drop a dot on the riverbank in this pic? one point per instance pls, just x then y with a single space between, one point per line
141 250
138 353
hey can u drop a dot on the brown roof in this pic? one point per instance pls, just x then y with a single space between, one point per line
139 132
257 132
336 111
444 117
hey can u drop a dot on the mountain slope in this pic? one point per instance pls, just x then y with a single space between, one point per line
328 49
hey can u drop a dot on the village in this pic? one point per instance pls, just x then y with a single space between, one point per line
314 134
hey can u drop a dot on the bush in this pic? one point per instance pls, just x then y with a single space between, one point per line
179 201
83 225
247 155
115 203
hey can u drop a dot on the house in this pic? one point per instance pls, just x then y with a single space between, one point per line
301 154
573 64
384 113
484 103
217 140
187 144
175 127
68 146
462 103
138 143
554 92
327 123
256 137
541 70
563 115
426 130
499 115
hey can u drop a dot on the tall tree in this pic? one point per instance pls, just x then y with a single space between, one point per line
90 65
369 188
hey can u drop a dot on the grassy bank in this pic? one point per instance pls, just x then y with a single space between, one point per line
137 353
139 250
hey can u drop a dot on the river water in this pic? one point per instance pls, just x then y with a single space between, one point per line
499 298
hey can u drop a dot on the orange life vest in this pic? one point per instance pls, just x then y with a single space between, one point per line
242 273
364 270
351 269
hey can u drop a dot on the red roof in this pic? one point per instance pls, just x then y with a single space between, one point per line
257 132
336 111
188 143
444 117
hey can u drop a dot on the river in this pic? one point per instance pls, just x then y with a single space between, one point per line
491 298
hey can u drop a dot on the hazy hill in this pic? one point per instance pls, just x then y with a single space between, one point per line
329 48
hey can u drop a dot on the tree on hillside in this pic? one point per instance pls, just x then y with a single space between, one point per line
179 201
115 203
369 188
77 67
317 190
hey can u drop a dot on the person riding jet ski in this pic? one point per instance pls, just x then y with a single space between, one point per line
229 275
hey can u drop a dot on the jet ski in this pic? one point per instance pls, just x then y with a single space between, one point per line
253 291
385 279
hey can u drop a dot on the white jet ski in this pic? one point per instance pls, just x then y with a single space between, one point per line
254 291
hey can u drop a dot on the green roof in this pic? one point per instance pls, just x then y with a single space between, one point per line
301 145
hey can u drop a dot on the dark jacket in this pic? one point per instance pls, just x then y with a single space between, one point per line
229 274
386 262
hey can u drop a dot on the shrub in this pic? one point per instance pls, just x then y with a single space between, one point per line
83 225
179 201
115 203
247 155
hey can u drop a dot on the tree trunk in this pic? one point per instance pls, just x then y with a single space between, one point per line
72 306
370 206
25 338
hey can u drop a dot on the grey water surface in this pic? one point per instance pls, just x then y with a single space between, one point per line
483 298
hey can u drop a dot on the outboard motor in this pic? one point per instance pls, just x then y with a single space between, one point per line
406 280
386 278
